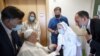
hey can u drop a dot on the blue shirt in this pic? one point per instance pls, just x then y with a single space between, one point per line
53 23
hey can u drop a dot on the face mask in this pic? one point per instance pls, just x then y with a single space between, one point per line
61 31
31 18
83 27
57 16
18 27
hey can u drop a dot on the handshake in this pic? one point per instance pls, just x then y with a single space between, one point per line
52 48
54 53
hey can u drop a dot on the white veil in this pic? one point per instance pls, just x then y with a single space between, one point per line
70 32
71 40
67 28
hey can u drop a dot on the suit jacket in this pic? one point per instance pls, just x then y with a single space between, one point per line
6 47
95 31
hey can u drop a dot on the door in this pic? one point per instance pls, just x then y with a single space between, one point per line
1 4
39 7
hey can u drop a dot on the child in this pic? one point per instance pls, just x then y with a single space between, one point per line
67 40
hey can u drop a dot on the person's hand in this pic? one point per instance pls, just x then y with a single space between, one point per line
88 37
21 35
91 54
54 53
57 53
52 47
56 32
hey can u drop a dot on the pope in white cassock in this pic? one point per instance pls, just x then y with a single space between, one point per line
68 40
33 48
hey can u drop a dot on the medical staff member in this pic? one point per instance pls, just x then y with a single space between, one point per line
32 23
52 27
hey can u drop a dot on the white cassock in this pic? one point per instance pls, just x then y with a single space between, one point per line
70 42
30 49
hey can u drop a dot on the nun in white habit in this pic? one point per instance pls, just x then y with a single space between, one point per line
33 48
68 40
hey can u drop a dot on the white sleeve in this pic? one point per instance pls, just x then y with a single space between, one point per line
52 54
60 40
39 45
59 43
44 48
25 53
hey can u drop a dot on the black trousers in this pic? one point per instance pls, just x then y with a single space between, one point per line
95 48
61 52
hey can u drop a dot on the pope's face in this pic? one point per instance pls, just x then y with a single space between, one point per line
34 36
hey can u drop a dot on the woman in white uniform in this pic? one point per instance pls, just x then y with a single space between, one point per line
68 40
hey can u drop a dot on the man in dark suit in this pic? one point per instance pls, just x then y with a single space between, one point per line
11 18
93 28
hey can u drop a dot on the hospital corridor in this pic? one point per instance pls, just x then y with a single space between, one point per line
49 27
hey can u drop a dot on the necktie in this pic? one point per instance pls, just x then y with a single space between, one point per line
88 31
13 42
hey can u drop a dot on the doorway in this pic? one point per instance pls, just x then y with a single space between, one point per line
39 7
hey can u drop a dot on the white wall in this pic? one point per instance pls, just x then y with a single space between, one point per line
69 8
